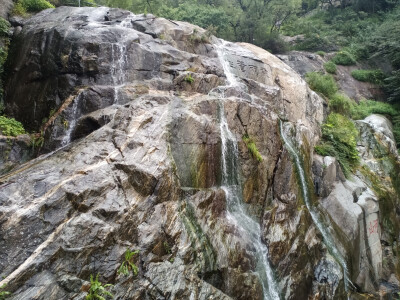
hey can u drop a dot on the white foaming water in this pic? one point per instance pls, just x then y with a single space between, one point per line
71 121
250 228
328 240
118 62
232 81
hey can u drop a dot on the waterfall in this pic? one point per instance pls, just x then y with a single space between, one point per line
317 220
71 121
118 61
237 213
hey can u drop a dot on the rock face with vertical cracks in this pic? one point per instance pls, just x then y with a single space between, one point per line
132 132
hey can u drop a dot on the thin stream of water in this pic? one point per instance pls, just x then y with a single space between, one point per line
231 186
327 237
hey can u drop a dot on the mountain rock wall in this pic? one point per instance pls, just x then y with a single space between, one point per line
131 112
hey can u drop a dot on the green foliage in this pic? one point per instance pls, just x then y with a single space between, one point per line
369 107
189 78
128 264
252 147
313 41
323 84
344 58
33 5
373 76
19 9
10 127
321 53
3 294
339 139
392 86
274 43
37 140
4 27
330 67
341 104
97 290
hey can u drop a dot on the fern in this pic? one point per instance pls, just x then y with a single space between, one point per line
97 290
128 264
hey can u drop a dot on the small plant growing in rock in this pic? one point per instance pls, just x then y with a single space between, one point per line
128 264
167 248
65 124
37 140
320 53
189 78
3 293
252 147
97 290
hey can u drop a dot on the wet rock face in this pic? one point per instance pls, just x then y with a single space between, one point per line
14 151
134 106
364 208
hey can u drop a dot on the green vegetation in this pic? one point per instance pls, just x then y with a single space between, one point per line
373 76
330 67
321 53
97 290
322 84
37 140
252 147
128 264
341 104
4 27
10 127
3 294
339 139
4 39
24 6
344 58
368 107
189 78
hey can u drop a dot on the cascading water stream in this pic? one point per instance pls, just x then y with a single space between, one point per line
237 213
327 237
71 121
118 58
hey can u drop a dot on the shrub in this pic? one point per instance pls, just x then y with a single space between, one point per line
323 84
373 76
312 42
343 58
34 5
97 290
10 127
252 147
4 27
330 67
320 53
128 264
19 9
341 104
368 107
339 139
3 293
275 44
